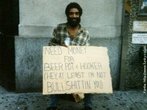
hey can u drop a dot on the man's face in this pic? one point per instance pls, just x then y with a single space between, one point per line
73 17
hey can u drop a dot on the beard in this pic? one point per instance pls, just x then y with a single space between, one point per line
73 22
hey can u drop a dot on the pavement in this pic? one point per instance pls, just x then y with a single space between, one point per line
119 100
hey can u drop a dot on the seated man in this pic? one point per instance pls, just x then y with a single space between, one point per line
71 33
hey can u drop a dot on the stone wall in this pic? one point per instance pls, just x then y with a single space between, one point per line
101 17
132 67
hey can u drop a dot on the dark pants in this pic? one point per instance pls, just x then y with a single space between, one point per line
54 100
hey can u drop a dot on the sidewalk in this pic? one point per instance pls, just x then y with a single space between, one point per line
119 100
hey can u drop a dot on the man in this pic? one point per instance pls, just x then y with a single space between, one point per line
70 33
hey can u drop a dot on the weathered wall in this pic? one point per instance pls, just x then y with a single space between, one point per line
102 18
132 68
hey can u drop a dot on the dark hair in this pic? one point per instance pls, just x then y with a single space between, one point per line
73 5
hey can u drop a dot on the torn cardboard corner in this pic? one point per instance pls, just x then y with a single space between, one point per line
78 97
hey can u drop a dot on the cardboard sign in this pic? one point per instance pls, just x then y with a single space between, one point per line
76 69
139 38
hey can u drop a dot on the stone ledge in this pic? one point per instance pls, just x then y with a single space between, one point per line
28 60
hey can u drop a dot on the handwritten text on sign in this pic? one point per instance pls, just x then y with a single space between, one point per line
76 69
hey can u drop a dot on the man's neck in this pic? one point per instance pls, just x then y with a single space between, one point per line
73 31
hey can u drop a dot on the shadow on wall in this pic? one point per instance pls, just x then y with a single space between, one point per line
7 62
9 20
